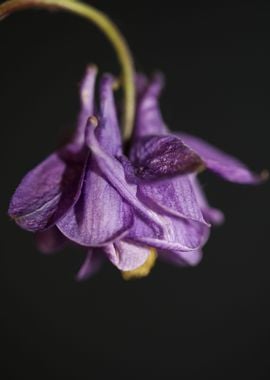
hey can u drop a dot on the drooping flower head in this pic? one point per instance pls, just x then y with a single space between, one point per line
126 203
127 209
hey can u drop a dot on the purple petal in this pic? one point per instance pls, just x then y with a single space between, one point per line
211 215
178 235
221 163
155 157
91 265
100 215
191 258
48 191
126 256
108 132
173 197
149 120
50 241
87 94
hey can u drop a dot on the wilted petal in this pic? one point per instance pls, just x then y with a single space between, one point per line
172 196
87 95
126 256
100 215
211 215
149 120
155 157
221 163
91 265
48 191
178 236
50 241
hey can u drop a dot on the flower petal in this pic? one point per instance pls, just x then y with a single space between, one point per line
108 133
48 191
179 235
173 197
191 258
149 120
100 215
87 94
211 215
126 256
91 265
50 241
155 157
221 163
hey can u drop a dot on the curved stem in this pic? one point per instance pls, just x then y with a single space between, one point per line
107 27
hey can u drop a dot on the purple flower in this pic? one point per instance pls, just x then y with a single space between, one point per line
118 208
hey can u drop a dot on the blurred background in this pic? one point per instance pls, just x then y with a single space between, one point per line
211 321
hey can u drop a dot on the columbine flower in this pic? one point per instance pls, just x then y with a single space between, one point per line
125 209
80 194
128 210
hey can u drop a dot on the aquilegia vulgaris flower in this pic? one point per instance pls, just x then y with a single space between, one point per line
131 201
124 208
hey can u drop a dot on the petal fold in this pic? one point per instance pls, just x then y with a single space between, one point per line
100 215
48 191
178 236
174 196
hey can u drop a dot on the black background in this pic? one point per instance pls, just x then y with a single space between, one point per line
196 323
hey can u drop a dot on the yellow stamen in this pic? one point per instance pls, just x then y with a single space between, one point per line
144 269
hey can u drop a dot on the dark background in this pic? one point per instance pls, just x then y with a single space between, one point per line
196 323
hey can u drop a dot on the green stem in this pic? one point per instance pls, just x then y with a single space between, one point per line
107 27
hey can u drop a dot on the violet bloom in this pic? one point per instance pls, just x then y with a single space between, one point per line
124 210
